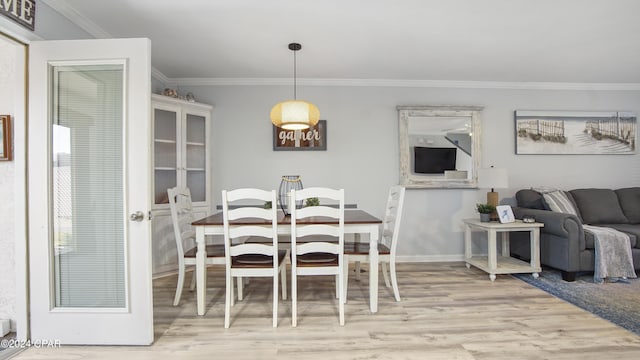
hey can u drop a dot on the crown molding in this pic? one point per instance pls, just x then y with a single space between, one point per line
80 20
454 84
158 75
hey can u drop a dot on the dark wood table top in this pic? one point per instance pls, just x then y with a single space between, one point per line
350 217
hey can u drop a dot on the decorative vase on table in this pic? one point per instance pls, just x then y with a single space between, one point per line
288 183
485 217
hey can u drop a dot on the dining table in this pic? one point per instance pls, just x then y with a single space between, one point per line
356 221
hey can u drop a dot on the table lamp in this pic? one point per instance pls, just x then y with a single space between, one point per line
493 178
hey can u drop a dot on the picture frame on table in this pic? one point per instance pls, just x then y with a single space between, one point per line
5 137
505 214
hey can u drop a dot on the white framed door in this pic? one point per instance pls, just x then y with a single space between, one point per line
90 254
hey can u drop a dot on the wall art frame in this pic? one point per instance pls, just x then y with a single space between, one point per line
312 139
6 147
575 132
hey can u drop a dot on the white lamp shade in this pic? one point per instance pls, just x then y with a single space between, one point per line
295 115
493 178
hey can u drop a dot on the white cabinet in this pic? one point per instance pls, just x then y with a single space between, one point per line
180 158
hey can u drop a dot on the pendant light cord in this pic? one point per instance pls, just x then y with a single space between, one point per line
294 76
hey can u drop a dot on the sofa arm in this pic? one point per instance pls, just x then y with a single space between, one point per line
555 223
562 240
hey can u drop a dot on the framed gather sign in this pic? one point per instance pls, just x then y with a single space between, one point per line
5 137
314 138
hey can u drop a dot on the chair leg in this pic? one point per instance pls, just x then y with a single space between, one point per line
394 280
193 280
283 279
385 273
240 293
345 274
176 299
228 299
275 299
357 270
341 298
294 299
233 296
338 279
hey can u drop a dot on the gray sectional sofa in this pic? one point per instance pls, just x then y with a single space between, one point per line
564 245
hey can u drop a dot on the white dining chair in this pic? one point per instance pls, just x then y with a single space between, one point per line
357 252
182 217
251 259
317 249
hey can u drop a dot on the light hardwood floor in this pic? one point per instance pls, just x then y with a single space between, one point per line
447 312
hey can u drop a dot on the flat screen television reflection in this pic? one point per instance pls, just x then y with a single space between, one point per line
434 160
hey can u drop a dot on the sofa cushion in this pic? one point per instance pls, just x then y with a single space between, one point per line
599 206
530 199
629 199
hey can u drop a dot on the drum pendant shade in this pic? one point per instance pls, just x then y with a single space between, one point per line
295 114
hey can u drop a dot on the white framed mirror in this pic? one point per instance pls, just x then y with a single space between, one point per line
440 146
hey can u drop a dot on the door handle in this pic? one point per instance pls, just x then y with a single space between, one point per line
137 216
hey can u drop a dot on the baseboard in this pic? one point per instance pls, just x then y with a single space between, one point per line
429 258
399 259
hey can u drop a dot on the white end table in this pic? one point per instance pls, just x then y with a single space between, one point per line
504 264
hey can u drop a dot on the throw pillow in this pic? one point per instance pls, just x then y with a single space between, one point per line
599 206
558 201
530 199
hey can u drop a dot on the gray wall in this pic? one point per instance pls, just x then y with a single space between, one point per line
362 151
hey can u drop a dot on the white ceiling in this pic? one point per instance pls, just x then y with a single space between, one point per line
558 41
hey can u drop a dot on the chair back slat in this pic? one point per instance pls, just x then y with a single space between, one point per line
317 229
181 218
249 230
392 218
249 212
235 234
318 246
262 249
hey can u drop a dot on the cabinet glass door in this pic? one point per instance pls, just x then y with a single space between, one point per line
165 149
196 156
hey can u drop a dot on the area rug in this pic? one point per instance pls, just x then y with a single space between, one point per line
617 302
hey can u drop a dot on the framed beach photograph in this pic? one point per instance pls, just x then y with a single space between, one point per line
505 213
575 132
5 137
314 138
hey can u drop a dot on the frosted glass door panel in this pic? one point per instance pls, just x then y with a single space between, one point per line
195 129
164 179
195 182
87 170
165 125
165 155
196 156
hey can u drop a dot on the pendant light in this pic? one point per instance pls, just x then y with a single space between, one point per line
294 114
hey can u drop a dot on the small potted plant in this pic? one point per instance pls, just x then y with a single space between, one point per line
485 211
312 201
